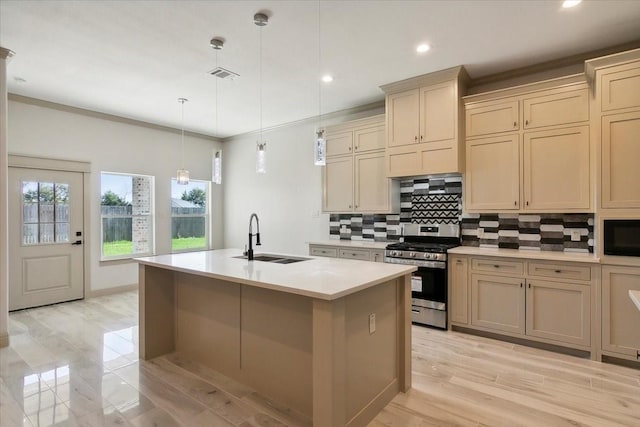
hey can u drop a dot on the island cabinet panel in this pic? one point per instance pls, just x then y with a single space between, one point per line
276 339
458 290
207 319
156 312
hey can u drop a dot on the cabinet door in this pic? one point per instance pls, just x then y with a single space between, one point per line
621 87
377 255
459 292
338 185
556 107
620 154
371 183
403 123
498 303
438 112
492 117
339 143
493 174
559 311
557 169
369 139
620 316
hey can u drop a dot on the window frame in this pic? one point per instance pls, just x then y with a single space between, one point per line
151 215
207 219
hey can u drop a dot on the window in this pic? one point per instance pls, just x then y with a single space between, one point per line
45 212
126 215
189 216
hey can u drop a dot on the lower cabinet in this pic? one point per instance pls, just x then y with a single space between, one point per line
620 317
537 300
362 254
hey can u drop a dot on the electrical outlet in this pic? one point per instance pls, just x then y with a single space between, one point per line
343 228
480 233
372 323
575 235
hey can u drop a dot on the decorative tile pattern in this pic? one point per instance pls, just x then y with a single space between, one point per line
427 200
541 232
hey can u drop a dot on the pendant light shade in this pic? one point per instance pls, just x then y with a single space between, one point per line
182 176
217 167
261 157
320 150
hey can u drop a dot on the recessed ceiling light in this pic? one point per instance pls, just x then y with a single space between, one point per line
570 3
327 78
423 48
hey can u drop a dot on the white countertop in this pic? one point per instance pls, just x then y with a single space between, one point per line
319 277
365 244
525 254
635 297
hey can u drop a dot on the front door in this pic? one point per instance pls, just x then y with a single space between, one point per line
46 257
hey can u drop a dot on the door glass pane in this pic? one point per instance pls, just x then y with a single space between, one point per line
45 212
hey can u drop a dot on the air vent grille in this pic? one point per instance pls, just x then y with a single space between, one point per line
223 73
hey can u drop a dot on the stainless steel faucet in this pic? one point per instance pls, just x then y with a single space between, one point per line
249 252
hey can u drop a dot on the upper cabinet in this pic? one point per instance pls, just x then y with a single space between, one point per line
423 124
529 151
616 80
354 178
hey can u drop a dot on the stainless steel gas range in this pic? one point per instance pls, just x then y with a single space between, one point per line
425 246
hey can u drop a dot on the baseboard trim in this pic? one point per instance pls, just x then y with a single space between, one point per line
4 340
110 291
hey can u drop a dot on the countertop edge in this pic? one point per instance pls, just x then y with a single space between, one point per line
635 297
531 255
351 243
281 288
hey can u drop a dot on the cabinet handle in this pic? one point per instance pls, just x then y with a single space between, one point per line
527 203
349 148
458 261
415 138
529 285
526 122
515 203
520 284
349 206
496 266
558 271
515 124
420 137
356 147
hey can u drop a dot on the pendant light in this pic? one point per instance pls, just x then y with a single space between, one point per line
217 45
182 176
261 20
320 144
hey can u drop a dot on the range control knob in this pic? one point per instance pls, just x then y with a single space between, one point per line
412 254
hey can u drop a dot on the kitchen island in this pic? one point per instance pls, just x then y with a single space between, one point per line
328 338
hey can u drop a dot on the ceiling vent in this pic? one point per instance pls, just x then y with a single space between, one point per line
223 73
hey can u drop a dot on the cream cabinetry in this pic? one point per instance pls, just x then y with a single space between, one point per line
616 79
423 124
620 317
530 152
458 289
354 178
538 300
337 251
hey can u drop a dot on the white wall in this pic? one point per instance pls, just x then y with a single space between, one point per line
288 198
113 145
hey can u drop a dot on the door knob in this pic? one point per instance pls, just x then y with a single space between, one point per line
77 242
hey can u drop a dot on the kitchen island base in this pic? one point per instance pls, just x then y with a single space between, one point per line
328 360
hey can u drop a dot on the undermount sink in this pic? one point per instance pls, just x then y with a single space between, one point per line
277 259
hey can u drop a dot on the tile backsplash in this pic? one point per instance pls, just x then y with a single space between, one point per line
429 200
542 232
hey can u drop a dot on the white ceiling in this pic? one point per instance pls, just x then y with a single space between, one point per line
135 58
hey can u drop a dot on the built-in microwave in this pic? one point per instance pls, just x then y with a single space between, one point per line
622 237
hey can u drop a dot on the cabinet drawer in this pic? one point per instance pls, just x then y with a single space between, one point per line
321 251
492 117
560 271
339 144
556 108
360 254
498 266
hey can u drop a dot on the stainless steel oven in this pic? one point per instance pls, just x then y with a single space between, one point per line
425 246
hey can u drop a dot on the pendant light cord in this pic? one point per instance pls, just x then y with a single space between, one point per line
319 72
182 130
260 58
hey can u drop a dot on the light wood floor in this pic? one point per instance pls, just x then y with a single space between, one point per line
76 364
